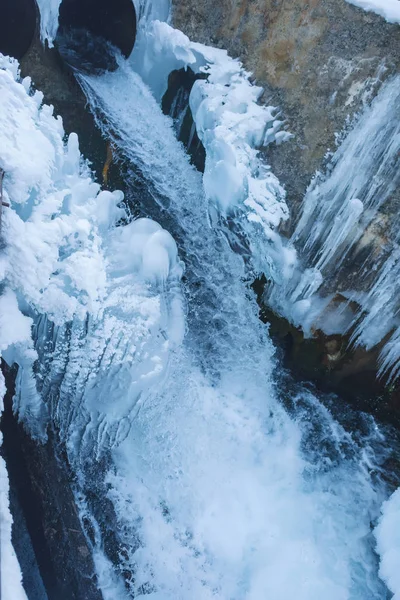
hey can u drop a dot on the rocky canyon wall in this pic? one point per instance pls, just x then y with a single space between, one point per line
321 63
318 61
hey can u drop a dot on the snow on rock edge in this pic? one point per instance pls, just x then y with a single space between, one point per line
388 9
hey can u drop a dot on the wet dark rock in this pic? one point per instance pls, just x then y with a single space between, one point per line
112 21
333 364
86 53
175 103
17 26
45 514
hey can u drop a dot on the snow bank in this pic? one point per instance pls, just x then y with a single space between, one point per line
388 543
388 9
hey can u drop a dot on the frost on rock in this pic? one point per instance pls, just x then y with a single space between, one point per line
388 543
388 9
97 296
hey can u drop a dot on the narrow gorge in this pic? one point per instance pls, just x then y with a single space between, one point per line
199 307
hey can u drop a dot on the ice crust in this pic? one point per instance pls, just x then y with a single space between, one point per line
233 126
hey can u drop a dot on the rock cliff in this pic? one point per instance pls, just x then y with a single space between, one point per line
318 61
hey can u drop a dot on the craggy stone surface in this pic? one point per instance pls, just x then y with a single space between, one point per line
316 61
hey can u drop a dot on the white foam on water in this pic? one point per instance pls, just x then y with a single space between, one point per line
212 478
166 396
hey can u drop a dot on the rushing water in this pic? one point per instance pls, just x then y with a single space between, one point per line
228 483
202 470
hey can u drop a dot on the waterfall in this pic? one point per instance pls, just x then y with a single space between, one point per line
216 488
219 477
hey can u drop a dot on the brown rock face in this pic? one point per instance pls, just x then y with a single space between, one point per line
317 60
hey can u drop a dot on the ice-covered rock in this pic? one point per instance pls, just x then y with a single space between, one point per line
65 262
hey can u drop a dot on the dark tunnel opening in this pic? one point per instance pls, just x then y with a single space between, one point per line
17 26
90 29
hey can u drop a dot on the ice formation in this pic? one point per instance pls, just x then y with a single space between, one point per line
59 237
388 9
233 126
48 19
10 572
212 465
65 268
337 212
169 406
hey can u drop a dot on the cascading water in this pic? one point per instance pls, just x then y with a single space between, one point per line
224 481
214 487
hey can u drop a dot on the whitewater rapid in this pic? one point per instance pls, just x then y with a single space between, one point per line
218 492
201 470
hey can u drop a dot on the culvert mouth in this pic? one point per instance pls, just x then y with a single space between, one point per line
17 26
91 31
